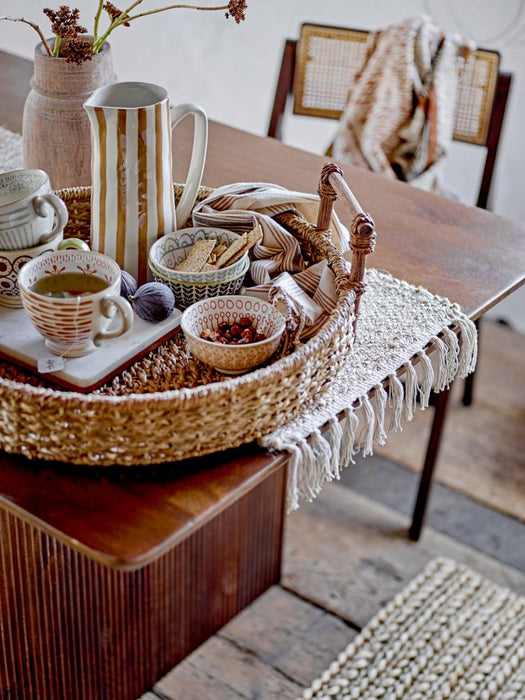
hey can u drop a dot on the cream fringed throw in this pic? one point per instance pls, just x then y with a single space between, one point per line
449 634
398 120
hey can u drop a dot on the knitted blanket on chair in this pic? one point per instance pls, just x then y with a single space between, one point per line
399 116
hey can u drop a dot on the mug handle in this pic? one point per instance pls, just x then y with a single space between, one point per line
198 156
108 305
73 243
60 209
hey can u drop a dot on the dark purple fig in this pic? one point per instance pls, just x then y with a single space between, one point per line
153 302
128 284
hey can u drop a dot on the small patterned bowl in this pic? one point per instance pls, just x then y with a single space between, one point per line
170 250
232 359
187 293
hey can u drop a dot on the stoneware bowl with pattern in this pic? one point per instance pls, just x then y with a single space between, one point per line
189 287
170 250
187 293
232 359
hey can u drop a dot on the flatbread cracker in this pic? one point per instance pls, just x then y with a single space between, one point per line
252 237
233 248
198 255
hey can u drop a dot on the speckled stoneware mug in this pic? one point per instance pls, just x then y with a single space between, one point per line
12 261
73 326
30 213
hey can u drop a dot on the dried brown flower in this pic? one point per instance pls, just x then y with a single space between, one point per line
237 9
114 13
77 50
64 23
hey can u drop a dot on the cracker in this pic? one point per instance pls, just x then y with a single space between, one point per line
238 244
198 255
208 267
252 237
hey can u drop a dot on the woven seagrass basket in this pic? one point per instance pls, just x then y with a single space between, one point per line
168 406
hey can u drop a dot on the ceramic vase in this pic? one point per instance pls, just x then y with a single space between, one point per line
55 130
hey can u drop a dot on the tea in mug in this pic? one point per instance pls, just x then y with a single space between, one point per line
69 284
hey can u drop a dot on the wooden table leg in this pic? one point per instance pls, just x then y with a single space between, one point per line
425 481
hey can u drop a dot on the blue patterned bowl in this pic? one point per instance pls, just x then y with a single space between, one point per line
170 250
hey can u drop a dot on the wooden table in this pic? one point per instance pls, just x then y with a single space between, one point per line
108 578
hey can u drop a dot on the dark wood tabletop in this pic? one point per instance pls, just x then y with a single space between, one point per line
127 518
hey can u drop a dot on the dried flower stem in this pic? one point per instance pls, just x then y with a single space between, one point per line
36 28
97 19
126 17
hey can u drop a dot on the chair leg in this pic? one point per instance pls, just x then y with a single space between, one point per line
469 381
425 481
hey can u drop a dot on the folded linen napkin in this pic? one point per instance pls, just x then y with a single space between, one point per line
278 266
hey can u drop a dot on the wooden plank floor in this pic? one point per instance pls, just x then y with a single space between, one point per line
345 556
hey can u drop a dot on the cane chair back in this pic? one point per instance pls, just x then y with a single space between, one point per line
320 68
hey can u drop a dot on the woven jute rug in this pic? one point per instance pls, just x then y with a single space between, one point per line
450 633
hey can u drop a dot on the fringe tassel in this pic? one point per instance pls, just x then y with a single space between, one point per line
292 490
349 427
395 401
411 387
309 477
323 454
335 431
440 381
427 379
451 339
468 355
367 433
381 398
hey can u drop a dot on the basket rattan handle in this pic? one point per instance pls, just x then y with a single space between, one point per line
362 234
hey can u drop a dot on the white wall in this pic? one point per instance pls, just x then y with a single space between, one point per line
231 69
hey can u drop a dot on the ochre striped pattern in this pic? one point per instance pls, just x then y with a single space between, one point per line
132 189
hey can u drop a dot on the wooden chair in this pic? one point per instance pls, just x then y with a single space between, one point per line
318 70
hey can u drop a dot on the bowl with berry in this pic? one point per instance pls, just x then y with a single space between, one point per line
232 333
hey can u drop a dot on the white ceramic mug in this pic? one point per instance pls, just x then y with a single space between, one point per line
73 326
30 213
132 202
12 261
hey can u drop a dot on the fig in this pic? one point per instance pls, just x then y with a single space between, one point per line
153 302
128 284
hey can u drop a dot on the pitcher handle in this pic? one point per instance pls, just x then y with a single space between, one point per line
198 156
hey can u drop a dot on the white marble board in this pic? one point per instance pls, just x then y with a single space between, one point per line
22 344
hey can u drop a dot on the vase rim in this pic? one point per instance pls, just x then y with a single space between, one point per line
40 50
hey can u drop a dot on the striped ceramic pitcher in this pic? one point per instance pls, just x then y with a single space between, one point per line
132 200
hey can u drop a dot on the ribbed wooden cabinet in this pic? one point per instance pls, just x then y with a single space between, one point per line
72 627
